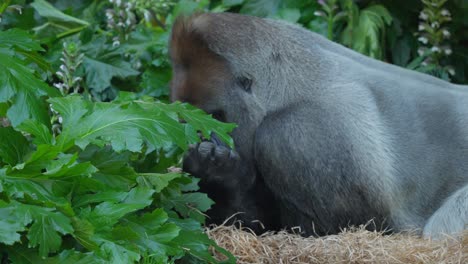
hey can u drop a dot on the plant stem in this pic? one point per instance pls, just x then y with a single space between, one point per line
330 27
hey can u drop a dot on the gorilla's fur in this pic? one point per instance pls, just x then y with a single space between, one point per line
326 137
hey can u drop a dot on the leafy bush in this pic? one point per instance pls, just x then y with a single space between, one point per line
83 165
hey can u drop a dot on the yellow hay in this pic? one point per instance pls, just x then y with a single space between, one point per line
351 246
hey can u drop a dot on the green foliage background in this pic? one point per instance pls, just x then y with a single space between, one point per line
87 133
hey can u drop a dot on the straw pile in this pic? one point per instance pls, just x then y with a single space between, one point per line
351 246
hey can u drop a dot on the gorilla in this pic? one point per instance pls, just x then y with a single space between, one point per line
327 138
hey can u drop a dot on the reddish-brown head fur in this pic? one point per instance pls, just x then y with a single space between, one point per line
198 73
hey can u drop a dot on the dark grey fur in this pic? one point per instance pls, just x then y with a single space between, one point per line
328 138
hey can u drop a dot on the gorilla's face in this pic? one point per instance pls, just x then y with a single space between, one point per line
199 76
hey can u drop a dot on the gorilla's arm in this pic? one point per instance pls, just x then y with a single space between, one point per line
221 170
313 171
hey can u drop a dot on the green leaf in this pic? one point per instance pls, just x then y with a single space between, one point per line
43 232
260 8
114 169
139 196
23 89
107 214
49 11
154 219
65 165
9 224
38 59
59 24
13 146
365 34
20 254
84 232
118 254
155 82
190 204
100 73
189 201
229 3
151 231
42 134
156 180
198 121
109 196
18 38
125 128
21 188
197 243
184 7
289 14
75 257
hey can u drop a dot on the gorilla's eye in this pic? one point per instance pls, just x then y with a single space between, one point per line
246 83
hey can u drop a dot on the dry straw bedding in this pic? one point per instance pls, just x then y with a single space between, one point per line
350 246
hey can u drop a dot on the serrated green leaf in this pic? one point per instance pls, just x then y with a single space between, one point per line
48 163
199 121
107 214
190 204
13 146
49 11
198 200
364 35
25 188
154 219
23 89
186 223
139 195
84 232
114 169
10 226
100 73
20 254
41 133
118 254
44 231
75 257
109 196
155 82
197 243
125 128
34 57
19 39
71 169
156 180
151 231
165 233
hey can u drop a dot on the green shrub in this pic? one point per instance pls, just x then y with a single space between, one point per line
84 164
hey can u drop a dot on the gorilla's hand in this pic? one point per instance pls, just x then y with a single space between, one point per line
213 162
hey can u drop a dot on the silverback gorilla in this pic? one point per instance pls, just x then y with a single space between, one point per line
326 137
